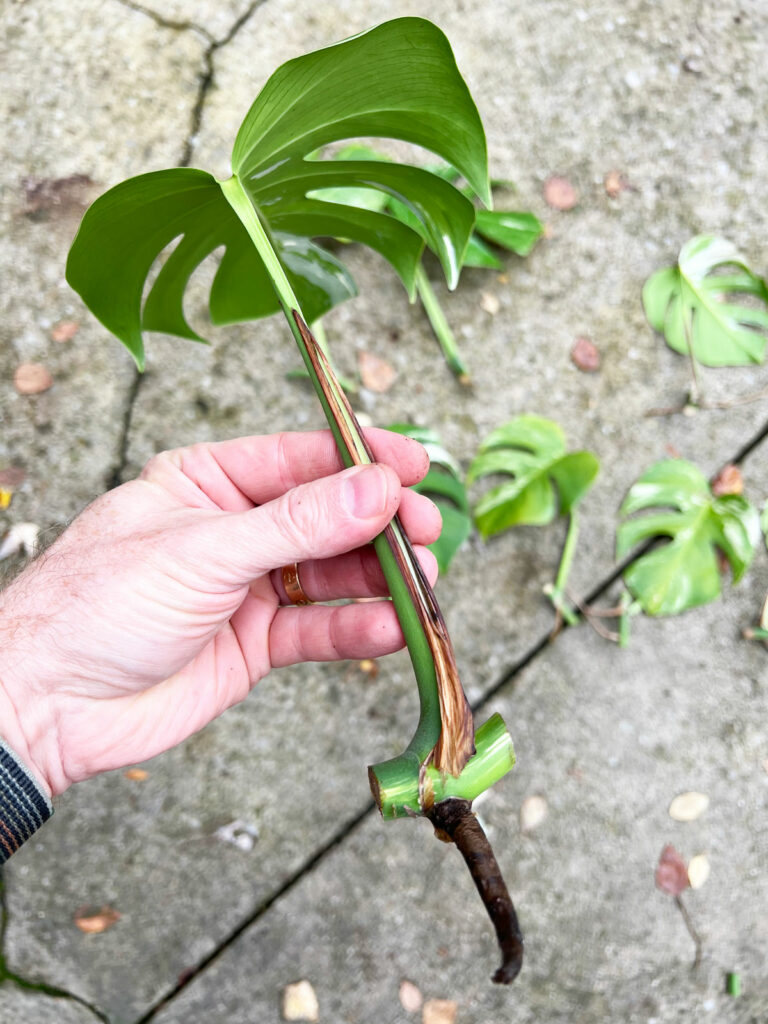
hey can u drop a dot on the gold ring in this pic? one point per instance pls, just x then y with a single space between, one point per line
292 585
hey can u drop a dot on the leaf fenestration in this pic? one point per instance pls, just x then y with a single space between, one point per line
683 572
398 80
693 301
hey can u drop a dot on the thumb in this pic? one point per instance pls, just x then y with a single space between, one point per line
315 520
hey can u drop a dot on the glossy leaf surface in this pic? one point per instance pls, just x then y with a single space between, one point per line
679 505
544 477
398 80
444 486
695 300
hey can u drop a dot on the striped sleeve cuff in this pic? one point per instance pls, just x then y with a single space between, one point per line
24 808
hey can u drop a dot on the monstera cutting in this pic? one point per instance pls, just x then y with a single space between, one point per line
400 81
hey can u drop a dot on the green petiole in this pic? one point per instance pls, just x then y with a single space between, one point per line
438 763
440 325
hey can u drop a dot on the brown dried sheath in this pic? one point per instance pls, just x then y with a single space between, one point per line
456 743
454 818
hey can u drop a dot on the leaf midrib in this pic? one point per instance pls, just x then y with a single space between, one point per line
714 308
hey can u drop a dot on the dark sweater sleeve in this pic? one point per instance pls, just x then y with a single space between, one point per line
24 808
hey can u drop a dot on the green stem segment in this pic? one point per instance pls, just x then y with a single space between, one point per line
443 741
440 325
556 592
318 331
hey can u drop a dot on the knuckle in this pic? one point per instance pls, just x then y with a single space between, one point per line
301 513
285 474
162 461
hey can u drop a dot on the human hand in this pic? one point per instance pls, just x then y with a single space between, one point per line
162 604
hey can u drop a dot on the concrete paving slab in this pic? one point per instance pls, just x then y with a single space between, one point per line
608 737
26 1007
571 91
67 73
289 768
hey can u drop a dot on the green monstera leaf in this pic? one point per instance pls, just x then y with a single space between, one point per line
517 232
514 231
444 486
692 303
398 80
545 478
684 572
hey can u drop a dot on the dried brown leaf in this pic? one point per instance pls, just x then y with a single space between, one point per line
31 379
12 477
95 922
375 373
615 183
439 1011
671 872
585 355
45 195
728 481
559 193
64 331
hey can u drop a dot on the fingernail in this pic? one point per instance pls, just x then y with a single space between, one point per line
365 491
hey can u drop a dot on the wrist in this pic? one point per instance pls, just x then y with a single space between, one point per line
24 734
27 718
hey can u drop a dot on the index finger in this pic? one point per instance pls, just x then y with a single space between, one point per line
253 470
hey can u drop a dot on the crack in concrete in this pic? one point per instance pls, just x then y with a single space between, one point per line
116 475
169 23
9 977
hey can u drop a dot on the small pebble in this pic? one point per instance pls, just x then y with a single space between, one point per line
64 331
300 1002
439 1011
688 806
533 811
698 870
559 193
490 303
411 998
32 379
585 355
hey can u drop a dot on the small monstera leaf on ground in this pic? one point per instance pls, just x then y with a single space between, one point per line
684 572
694 302
545 477
443 485
398 80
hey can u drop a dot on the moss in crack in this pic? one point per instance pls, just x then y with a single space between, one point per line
9 977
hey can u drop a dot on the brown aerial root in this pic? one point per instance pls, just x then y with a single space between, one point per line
454 820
